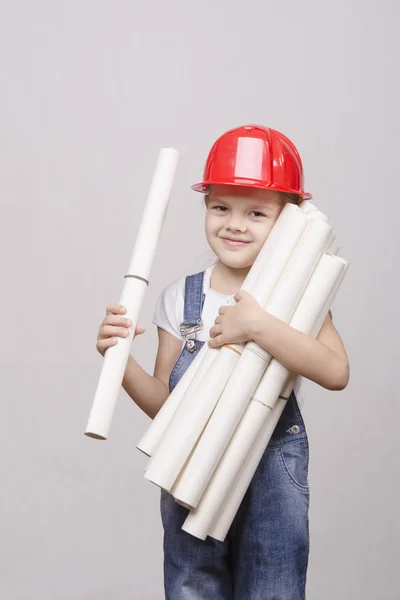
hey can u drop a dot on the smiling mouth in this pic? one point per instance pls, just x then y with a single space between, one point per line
234 242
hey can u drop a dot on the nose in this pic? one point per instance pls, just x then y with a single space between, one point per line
236 223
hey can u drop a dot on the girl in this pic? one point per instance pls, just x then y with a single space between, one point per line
250 174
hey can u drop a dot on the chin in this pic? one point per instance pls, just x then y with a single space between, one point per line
234 260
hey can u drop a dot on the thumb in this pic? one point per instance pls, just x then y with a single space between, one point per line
139 329
240 295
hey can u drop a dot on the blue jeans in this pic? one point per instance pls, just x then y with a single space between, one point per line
265 554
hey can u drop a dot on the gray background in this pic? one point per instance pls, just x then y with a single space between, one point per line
90 91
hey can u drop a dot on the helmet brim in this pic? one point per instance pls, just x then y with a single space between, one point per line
203 186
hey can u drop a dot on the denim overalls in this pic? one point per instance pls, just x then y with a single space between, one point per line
265 554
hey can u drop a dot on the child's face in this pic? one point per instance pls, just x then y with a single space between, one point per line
238 221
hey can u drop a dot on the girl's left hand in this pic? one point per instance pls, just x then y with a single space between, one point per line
233 324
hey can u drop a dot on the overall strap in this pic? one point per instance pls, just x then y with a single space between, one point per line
194 300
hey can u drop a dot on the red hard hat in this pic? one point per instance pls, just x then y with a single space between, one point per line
254 156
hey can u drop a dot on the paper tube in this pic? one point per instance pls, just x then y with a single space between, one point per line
251 366
194 411
135 284
234 497
185 386
200 373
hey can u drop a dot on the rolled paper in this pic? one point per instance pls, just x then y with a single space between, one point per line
285 222
187 425
334 248
311 210
199 374
331 242
186 386
135 284
251 366
321 319
230 505
306 206
194 411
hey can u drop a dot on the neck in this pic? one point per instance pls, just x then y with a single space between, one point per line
227 280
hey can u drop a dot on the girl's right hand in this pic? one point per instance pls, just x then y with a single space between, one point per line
114 326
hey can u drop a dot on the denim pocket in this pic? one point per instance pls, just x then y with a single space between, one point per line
294 458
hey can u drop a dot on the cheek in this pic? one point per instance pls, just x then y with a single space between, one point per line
208 226
263 232
210 231
213 224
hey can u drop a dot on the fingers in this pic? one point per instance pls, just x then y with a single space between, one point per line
115 326
104 343
110 330
115 320
116 309
216 341
222 310
215 330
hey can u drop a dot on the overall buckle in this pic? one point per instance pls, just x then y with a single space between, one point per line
189 332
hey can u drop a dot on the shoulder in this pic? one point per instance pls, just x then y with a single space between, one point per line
169 310
171 300
174 289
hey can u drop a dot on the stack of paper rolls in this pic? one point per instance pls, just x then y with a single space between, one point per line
193 479
192 405
273 384
295 257
197 405
315 240
159 424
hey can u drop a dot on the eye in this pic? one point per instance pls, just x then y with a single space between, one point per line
257 213
219 208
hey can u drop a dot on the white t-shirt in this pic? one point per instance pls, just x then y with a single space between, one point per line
169 314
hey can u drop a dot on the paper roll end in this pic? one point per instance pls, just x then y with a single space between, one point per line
170 150
217 536
95 436
192 531
143 451
186 504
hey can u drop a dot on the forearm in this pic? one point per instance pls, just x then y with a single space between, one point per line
299 352
148 392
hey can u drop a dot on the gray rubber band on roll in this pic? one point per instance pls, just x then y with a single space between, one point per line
137 277
257 353
283 397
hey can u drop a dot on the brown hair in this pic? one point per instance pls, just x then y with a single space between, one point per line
292 198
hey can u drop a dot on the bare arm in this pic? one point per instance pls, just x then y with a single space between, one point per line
150 392
323 360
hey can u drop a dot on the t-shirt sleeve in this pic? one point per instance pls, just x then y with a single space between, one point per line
168 313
